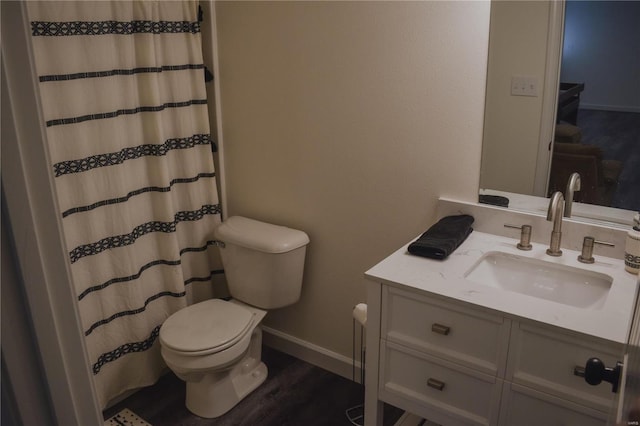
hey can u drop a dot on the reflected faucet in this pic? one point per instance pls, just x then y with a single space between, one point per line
554 213
572 185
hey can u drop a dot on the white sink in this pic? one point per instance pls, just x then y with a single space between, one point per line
545 280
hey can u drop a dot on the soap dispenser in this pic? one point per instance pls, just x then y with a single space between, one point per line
632 247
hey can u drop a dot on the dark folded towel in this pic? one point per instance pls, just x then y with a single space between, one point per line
443 238
494 200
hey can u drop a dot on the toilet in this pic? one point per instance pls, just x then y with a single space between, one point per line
215 346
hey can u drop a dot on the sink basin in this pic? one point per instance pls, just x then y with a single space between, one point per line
545 280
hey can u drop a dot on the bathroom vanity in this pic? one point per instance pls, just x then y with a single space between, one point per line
487 338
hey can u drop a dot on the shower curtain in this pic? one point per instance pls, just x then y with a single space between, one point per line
123 96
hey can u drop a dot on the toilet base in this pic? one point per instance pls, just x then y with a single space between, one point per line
218 392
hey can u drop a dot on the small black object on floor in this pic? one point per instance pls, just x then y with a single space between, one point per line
295 393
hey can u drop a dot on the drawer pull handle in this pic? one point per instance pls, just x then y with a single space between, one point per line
578 371
435 384
440 329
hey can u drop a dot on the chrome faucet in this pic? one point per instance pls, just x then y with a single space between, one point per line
572 185
554 214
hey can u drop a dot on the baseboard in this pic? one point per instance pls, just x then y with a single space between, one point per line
614 108
311 353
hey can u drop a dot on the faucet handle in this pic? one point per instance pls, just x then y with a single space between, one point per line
587 249
525 236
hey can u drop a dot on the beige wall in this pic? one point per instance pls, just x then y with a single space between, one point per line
518 46
348 120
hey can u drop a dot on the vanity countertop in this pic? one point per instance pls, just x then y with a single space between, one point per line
447 279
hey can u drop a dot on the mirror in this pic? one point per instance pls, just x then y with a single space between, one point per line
583 94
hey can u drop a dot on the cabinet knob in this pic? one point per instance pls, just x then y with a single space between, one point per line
440 329
594 373
435 384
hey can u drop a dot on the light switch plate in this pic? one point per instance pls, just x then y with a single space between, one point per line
524 85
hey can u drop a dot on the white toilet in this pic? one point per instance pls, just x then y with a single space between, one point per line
215 345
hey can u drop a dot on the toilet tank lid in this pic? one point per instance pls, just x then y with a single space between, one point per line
260 236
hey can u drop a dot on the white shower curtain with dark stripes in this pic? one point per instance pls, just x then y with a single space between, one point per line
124 103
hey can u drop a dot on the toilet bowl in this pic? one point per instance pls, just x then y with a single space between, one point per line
215 346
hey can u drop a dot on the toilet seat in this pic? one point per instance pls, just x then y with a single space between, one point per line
206 327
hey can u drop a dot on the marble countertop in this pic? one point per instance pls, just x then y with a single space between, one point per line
447 279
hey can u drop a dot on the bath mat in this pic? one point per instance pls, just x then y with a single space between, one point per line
125 418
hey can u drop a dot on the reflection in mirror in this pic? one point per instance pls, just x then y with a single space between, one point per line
589 107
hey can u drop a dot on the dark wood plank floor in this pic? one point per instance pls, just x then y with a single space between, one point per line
295 393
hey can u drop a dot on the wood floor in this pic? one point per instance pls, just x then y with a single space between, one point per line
618 134
295 393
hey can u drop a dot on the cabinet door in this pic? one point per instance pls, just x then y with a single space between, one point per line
545 360
470 337
523 406
628 410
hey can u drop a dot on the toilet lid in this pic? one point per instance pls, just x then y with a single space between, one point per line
205 326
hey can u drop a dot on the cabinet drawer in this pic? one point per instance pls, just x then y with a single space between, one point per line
545 360
525 407
464 335
435 389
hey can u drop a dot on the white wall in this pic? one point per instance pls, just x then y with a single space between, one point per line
602 49
518 46
347 120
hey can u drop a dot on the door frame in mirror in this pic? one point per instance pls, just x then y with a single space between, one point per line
550 96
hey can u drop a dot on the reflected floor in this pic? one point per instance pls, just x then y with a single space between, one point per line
618 135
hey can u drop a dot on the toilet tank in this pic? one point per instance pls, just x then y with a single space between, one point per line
263 263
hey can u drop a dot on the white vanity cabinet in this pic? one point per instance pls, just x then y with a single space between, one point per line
454 363
544 359
440 360
523 406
